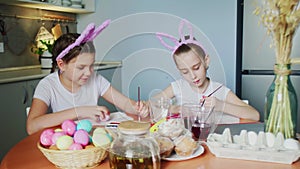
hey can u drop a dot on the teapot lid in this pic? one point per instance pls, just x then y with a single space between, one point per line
134 127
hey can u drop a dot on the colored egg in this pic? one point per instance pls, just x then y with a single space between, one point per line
56 135
99 130
101 139
89 146
76 146
53 147
46 137
81 137
69 127
85 124
58 130
64 142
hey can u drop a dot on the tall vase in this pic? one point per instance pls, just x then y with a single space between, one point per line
281 103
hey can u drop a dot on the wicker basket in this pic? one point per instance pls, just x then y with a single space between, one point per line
67 159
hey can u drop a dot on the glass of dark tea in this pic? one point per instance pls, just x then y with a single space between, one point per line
199 120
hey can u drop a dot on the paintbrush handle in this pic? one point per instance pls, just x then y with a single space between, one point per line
211 94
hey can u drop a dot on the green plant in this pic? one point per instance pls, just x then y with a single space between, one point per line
47 46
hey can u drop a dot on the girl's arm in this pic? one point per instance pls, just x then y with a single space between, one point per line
233 106
39 119
124 103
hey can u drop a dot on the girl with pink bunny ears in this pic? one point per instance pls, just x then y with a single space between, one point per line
192 61
73 91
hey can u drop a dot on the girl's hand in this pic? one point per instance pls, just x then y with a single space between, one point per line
142 109
98 113
210 102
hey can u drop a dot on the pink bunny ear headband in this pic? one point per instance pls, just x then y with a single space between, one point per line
89 34
176 42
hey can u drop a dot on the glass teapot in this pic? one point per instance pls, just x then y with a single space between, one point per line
134 148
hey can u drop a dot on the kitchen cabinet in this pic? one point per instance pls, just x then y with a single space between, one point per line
53 5
113 75
15 97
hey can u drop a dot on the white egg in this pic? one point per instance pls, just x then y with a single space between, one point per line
252 138
237 139
279 140
291 144
261 139
244 137
227 136
270 138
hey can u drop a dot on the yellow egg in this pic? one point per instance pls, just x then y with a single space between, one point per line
99 130
89 146
101 139
53 147
64 142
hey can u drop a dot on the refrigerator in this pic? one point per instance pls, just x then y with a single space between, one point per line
258 58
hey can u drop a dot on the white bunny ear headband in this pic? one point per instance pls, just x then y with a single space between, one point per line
176 42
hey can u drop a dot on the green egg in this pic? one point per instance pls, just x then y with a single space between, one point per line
84 124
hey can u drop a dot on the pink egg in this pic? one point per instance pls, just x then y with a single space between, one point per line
81 137
76 146
46 137
56 135
69 127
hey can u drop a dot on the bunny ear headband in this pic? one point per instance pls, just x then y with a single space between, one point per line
89 34
177 44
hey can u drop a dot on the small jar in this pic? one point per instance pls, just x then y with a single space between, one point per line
134 148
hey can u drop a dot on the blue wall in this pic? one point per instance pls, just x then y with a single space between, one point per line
134 22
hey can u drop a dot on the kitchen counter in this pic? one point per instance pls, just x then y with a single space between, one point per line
15 74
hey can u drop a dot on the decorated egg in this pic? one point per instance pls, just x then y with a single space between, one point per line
81 137
53 147
64 142
99 130
58 130
76 146
46 137
101 139
56 135
84 124
89 146
69 127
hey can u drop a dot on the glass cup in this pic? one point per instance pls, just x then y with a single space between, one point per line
159 108
199 120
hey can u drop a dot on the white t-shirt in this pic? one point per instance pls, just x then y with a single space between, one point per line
185 94
52 92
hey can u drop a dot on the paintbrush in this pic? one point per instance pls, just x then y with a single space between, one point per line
139 99
211 94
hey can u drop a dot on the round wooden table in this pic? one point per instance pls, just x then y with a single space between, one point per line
26 155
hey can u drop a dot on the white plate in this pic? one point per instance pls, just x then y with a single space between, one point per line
175 157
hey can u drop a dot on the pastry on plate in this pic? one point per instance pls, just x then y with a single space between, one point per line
166 146
185 145
171 128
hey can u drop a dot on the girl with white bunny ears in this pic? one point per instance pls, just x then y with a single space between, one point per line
192 60
74 90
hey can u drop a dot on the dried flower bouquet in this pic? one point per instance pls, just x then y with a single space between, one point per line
281 18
